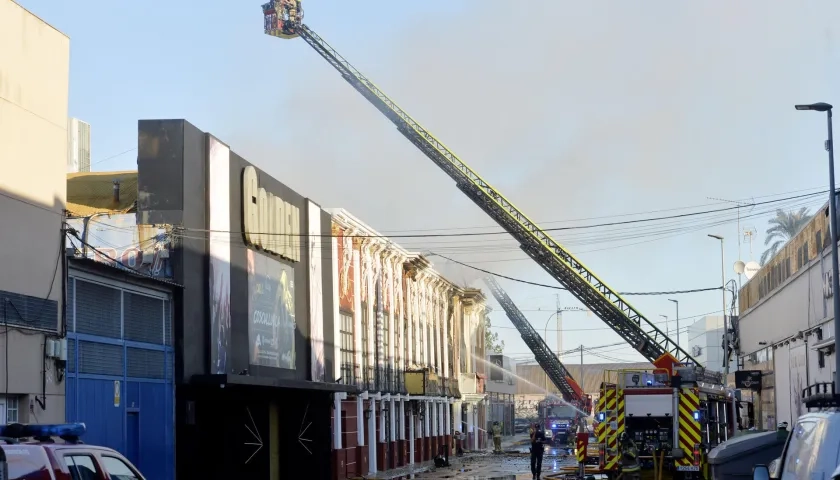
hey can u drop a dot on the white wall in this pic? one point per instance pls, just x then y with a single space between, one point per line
775 322
34 86
796 306
508 385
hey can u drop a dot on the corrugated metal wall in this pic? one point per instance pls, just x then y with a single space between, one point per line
119 371
593 375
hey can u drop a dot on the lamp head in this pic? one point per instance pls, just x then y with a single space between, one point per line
818 107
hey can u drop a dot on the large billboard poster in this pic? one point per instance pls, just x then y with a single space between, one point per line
316 292
219 213
271 312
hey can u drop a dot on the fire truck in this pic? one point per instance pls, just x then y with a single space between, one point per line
560 419
675 417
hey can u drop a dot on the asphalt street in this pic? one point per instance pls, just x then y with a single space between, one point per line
513 464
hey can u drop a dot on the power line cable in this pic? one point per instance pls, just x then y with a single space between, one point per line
647 212
504 232
537 284
113 156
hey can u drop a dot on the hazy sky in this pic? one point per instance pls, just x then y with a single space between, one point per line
573 110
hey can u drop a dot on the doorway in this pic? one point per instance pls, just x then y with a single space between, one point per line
132 437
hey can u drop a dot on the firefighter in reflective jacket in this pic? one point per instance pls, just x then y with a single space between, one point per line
629 458
497 438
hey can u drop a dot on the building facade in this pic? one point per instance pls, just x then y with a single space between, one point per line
120 293
705 342
409 340
78 146
35 63
120 359
501 392
253 325
786 325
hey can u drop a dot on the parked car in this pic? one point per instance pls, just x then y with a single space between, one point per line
55 452
520 425
811 450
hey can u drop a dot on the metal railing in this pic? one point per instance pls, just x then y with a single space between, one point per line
349 374
369 378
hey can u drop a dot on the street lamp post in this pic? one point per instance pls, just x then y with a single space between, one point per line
723 304
667 331
545 336
832 215
677 303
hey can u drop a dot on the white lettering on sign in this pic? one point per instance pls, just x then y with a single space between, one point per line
270 223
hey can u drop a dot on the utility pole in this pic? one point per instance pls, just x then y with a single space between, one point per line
723 304
677 303
738 204
832 213
559 326
581 366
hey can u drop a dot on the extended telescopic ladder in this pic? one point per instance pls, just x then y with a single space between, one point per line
605 302
549 362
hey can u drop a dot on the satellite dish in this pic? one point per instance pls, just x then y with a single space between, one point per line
751 268
739 267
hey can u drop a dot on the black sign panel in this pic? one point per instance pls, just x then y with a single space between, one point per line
497 372
748 379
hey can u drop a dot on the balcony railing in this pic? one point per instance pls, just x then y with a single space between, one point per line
369 380
349 374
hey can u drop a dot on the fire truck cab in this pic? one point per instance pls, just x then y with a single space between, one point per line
674 420
560 418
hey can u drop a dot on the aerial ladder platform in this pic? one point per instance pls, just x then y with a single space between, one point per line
284 19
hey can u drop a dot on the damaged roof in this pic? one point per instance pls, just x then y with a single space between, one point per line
93 192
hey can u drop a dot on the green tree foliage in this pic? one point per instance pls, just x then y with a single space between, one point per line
783 227
492 344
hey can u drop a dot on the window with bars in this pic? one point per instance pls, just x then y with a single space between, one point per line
365 323
386 341
347 347
431 360
12 409
421 343
406 339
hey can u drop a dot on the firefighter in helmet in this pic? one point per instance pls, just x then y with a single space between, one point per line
630 467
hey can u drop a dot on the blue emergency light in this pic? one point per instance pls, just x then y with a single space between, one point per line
602 416
65 431
697 415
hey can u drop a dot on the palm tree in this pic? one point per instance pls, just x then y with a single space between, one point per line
782 228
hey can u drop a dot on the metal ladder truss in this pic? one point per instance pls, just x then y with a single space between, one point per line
549 362
605 302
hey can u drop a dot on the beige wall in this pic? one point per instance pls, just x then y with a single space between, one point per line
34 84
